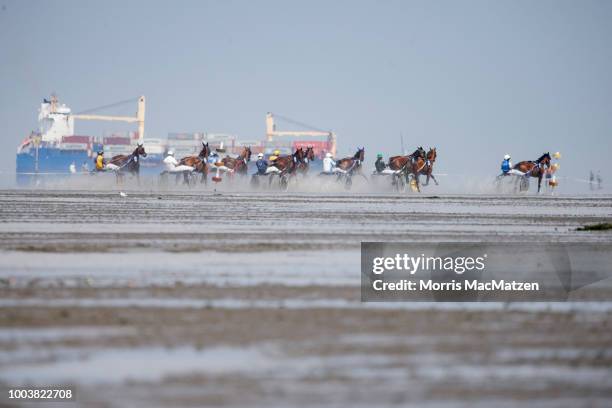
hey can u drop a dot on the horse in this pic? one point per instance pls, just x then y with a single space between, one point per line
428 168
352 164
240 163
129 163
410 164
287 164
308 156
535 168
198 162
399 162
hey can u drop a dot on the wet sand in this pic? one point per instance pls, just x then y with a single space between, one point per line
189 298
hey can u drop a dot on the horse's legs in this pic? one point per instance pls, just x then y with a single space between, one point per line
433 178
119 177
428 176
516 182
163 178
539 181
415 175
204 178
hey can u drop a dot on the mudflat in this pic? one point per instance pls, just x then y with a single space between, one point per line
246 299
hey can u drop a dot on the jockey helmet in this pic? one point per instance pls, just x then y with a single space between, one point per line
101 152
328 155
260 156
557 155
507 157
276 152
379 156
170 153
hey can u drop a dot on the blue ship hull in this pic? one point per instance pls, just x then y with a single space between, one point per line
48 161
54 163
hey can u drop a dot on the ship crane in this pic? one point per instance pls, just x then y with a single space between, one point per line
139 118
271 131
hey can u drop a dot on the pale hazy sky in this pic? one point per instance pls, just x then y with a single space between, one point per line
477 79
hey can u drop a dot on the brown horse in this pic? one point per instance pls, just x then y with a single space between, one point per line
400 162
428 168
352 164
198 162
535 168
307 157
287 164
129 163
412 164
240 163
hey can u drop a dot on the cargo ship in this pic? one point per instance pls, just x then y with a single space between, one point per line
54 150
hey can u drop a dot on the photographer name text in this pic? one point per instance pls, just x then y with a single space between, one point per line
430 285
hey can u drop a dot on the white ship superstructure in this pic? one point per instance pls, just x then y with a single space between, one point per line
55 121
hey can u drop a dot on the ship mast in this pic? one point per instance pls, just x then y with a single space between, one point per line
139 118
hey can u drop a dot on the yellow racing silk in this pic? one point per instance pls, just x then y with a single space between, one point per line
100 162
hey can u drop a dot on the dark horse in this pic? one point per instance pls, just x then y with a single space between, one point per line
129 163
412 164
428 168
287 164
535 168
307 157
352 164
198 162
240 163
400 162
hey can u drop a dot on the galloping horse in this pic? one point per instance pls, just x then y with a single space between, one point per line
307 157
428 168
129 163
239 164
411 164
352 164
399 162
288 163
198 162
534 168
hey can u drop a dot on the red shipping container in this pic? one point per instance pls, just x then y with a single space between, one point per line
319 147
76 139
117 140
